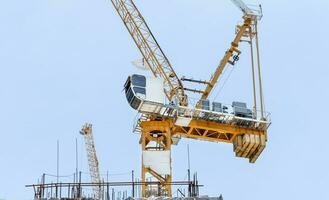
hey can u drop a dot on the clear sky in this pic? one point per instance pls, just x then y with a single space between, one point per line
64 62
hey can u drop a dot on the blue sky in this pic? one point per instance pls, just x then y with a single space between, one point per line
64 62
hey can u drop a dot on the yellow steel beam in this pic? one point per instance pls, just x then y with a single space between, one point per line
156 175
226 59
203 130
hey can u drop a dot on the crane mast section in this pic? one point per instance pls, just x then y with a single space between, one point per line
152 53
86 131
226 59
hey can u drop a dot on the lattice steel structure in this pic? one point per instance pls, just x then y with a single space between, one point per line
87 133
150 49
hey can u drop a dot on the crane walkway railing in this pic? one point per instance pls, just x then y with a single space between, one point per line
175 112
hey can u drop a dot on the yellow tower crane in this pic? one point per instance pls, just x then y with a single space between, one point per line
163 122
87 133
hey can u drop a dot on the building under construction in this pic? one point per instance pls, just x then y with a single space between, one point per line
167 113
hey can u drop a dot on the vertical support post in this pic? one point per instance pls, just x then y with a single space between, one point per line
253 70
107 191
68 190
56 190
57 161
79 187
107 185
188 171
51 190
133 184
43 185
143 144
259 73
168 148
60 190
76 158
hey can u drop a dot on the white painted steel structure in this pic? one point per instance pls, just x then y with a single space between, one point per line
86 131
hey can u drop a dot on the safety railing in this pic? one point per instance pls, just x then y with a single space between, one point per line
225 114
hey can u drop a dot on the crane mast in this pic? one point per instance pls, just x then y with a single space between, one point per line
87 133
156 144
152 53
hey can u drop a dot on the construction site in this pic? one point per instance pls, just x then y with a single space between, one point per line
166 100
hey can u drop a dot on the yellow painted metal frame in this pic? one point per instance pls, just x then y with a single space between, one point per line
197 129
203 130
163 141
242 30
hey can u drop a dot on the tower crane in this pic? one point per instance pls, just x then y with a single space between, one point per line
166 115
87 133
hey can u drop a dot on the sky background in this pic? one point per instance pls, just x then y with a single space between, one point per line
64 63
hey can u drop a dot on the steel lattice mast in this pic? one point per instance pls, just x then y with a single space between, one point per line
86 131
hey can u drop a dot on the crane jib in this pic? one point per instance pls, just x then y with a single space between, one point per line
151 51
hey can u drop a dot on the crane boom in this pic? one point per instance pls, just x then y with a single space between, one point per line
152 53
246 29
227 56
86 131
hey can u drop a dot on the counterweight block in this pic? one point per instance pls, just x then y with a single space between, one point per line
249 146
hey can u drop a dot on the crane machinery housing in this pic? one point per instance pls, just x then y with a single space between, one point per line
166 115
